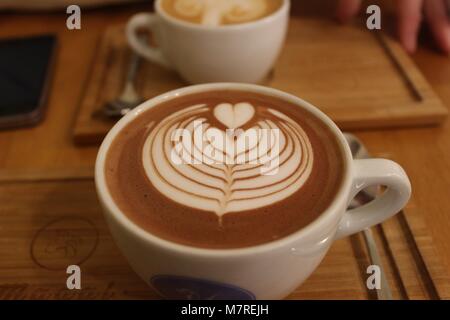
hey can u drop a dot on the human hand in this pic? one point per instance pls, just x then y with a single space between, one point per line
410 14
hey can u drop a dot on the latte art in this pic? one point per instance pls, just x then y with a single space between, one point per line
224 168
193 162
219 12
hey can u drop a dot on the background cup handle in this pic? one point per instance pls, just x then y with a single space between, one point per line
145 21
370 172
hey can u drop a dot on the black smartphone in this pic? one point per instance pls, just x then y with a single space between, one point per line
25 71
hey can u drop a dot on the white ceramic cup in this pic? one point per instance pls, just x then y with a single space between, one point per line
201 54
267 271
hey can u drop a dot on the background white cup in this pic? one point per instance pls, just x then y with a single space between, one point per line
201 54
268 271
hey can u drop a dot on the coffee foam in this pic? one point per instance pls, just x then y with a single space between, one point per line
214 12
224 179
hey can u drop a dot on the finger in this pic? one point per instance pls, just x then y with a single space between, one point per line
410 17
436 14
347 9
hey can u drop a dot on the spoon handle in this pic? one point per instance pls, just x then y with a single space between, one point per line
384 293
133 67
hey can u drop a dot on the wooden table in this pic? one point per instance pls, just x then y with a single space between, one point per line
423 152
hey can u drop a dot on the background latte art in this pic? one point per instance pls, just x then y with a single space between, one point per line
218 12
258 170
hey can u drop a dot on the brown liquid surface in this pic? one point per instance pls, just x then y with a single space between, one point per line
195 10
148 208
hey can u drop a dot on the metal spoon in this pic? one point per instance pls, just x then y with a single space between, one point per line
129 98
359 151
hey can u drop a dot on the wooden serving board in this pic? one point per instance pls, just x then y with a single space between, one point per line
361 79
47 226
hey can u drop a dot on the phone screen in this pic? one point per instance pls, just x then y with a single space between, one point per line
24 68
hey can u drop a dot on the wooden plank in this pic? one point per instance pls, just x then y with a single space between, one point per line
360 80
49 225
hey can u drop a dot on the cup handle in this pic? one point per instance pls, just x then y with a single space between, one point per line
145 21
371 172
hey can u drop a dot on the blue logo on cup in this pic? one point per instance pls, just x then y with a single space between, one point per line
176 287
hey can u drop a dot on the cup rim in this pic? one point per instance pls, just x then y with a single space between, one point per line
111 208
239 26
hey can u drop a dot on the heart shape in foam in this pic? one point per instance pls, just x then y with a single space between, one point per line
234 117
